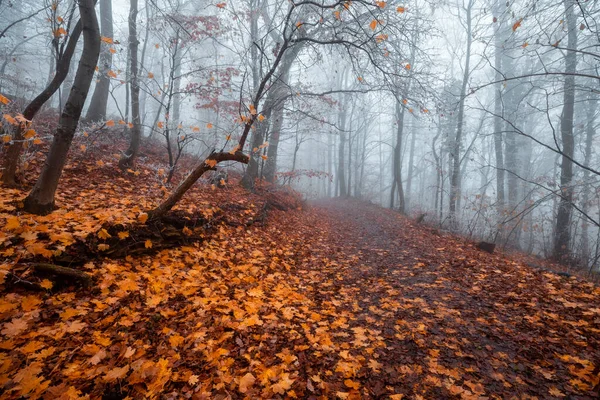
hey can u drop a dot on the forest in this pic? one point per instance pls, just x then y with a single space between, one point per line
299 199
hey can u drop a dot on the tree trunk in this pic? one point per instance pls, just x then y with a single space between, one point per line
281 90
41 198
398 156
498 107
592 107
455 177
129 156
11 157
97 109
562 233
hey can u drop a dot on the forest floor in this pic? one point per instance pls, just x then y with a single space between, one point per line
334 299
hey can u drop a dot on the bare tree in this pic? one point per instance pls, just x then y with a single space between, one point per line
41 198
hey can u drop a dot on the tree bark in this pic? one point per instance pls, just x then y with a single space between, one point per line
97 109
189 181
11 157
128 158
498 106
41 198
562 233
398 156
455 184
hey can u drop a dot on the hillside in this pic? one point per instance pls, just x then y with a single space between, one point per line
262 296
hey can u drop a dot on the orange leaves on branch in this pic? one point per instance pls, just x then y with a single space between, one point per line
517 24
211 163
401 9
60 32
4 100
221 5
373 24
209 126
107 40
150 75
110 123
380 4
112 74
160 125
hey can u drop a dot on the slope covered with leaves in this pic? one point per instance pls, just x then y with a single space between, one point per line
338 300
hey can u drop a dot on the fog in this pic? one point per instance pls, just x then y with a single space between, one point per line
476 116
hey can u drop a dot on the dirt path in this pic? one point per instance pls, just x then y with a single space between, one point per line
343 300
456 321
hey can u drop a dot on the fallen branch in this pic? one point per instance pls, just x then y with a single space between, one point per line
63 271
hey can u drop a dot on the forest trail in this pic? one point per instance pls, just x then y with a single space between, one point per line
341 299
455 320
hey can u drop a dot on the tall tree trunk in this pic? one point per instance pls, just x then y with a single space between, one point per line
398 157
129 156
592 108
99 101
455 184
562 233
11 157
411 160
498 107
41 198
273 112
278 115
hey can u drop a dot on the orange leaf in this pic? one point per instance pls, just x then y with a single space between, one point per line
517 24
373 25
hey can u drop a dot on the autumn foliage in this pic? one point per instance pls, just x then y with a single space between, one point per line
335 300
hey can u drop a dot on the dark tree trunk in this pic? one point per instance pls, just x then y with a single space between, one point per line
398 157
97 108
498 105
11 157
455 178
562 234
41 198
136 132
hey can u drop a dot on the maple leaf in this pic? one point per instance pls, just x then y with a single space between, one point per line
29 134
148 244
352 384
29 303
396 397
261 118
373 24
14 327
150 75
110 123
12 223
4 100
246 382
176 340
99 356
106 40
284 384
381 4
123 235
116 373
209 126
103 234
46 284
193 380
